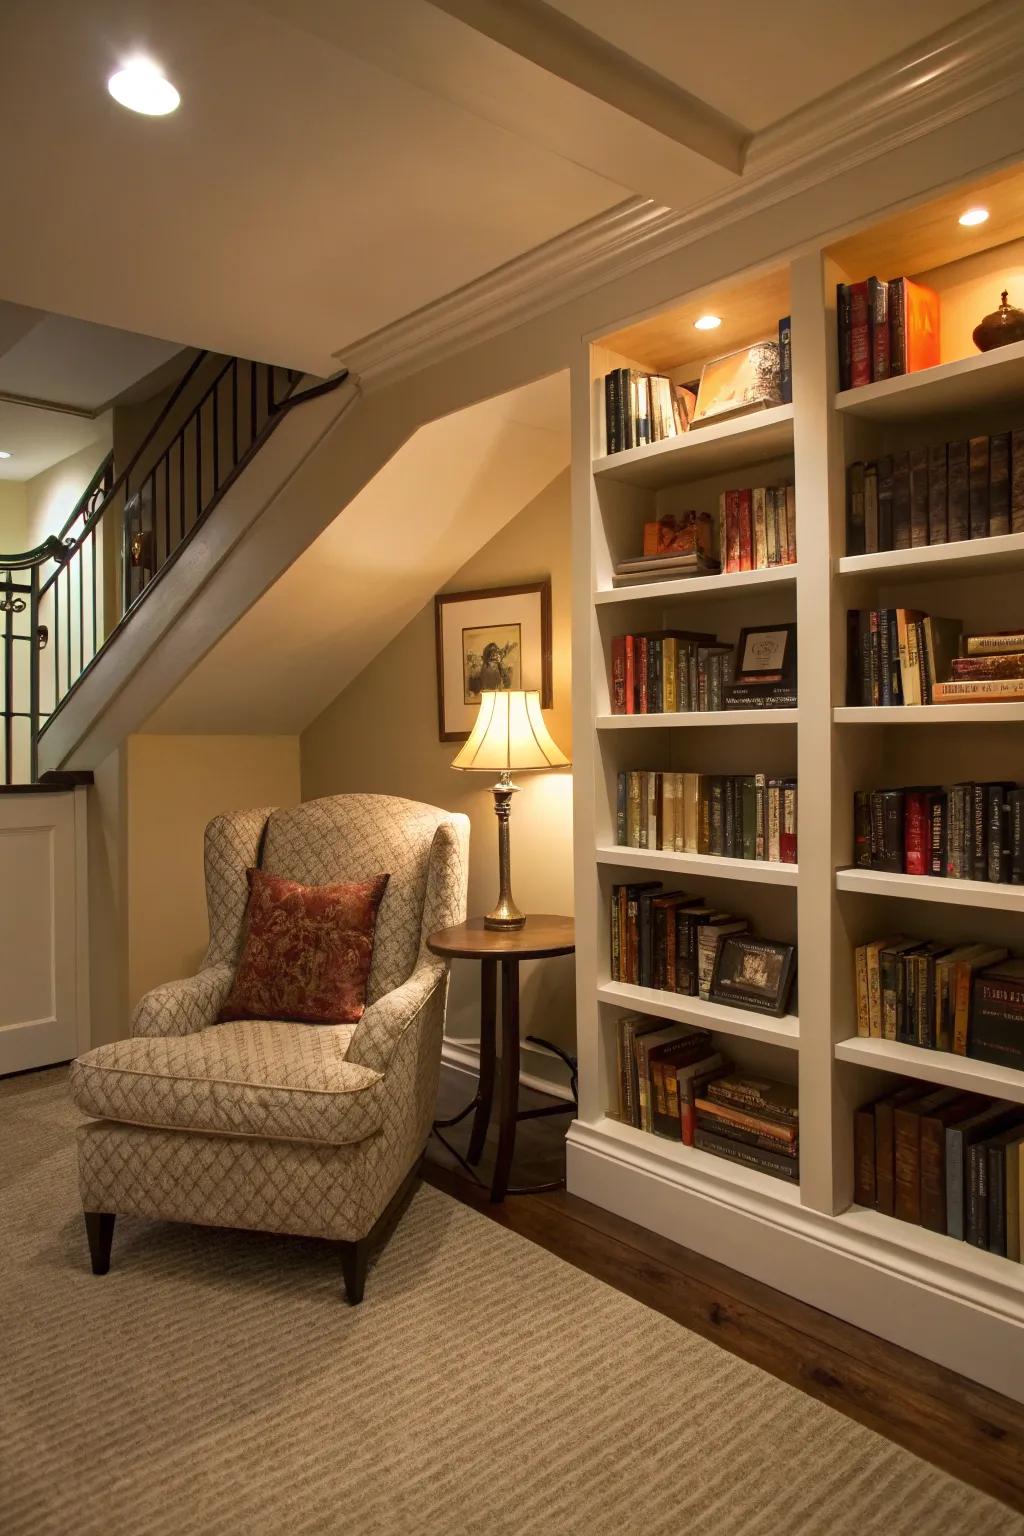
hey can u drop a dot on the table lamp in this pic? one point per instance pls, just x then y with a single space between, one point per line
509 736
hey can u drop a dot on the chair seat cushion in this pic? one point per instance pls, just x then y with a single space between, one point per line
306 951
262 1078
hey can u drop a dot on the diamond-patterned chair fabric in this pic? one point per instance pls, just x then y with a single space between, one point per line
226 1110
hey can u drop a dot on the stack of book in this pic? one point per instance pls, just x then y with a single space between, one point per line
958 831
989 668
899 656
675 547
662 1068
643 408
885 329
757 527
748 816
666 939
965 490
942 997
750 1120
669 670
948 1161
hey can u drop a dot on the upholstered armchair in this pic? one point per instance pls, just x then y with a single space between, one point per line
278 1126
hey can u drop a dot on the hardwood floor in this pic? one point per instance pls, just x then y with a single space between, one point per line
964 1428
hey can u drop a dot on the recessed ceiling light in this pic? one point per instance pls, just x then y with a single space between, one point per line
4 455
141 87
707 323
973 216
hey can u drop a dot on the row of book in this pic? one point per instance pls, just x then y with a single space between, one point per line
948 1161
674 670
945 494
757 527
885 329
970 831
674 1082
644 408
967 999
734 816
666 939
902 656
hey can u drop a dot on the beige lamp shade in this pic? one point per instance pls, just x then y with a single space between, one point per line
509 735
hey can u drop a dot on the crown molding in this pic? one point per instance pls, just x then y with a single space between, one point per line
971 64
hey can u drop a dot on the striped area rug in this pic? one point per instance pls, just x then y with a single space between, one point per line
215 1382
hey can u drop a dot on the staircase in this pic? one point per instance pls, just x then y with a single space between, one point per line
65 603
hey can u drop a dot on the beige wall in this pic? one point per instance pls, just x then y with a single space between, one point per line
173 786
13 518
51 496
381 734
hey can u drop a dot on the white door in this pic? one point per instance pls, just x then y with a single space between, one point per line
43 938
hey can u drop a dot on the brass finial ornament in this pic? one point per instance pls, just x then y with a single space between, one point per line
1002 326
509 736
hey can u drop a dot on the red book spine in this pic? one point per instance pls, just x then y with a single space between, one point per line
916 834
619 675
641 666
630 647
746 531
732 530
860 336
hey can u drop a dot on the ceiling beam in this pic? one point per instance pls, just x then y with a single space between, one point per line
558 44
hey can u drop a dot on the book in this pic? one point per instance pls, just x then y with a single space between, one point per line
843 333
938 526
1017 480
907 1151
1004 643
993 1117
786 360
901 535
856 538
774 1163
917 317
1001 1151
864 1188
996 1029
999 484
933 1156
958 491
919 498
1007 690
764 1096
885 1110
860 335
978 489
878 317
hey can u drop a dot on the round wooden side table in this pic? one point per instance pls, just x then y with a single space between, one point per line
542 936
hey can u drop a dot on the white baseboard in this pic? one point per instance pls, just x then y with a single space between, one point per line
464 1056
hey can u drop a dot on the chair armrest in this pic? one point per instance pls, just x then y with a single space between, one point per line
183 1007
386 1021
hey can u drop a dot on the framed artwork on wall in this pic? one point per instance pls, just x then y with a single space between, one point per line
496 638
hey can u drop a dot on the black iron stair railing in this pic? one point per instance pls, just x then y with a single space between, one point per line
62 603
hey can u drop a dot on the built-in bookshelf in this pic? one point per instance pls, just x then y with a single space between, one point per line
918 1288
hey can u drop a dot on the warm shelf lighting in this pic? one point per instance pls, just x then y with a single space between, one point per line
973 216
141 87
4 454
707 323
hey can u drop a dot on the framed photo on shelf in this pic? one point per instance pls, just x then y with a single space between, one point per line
741 381
753 973
766 654
499 637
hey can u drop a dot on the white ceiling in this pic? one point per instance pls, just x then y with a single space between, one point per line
36 440
453 486
337 164
755 62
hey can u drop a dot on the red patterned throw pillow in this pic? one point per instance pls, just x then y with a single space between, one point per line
306 951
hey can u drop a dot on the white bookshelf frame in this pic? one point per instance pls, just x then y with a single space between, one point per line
921 1290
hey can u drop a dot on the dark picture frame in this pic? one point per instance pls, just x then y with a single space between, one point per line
753 973
494 637
766 653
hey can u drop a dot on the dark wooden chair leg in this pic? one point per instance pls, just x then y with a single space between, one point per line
355 1258
485 1091
509 1100
99 1228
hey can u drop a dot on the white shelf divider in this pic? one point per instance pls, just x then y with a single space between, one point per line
967 557
928 714
704 450
712 866
699 1010
696 719
953 893
697 588
934 1067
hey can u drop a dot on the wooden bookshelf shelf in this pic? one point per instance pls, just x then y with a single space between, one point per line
930 714
691 1166
697 718
987 379
934 1067
757 871
942 562
698 1010
953 893
697 588
703 451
